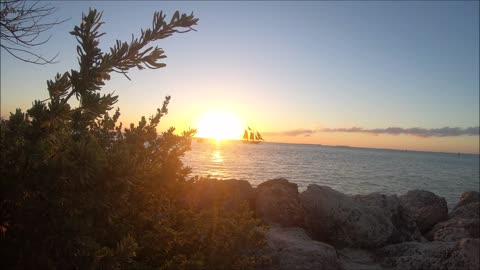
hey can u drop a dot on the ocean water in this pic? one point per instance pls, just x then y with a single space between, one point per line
348 170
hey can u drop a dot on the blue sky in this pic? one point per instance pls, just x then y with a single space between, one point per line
288 65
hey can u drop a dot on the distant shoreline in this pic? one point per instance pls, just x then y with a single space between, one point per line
353 147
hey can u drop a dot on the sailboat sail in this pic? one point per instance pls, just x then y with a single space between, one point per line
251 136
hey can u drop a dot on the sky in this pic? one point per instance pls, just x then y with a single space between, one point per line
381 74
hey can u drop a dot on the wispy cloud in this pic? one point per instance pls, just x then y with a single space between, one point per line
416 131
419 132
293 132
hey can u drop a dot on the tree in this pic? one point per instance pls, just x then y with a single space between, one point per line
21 27
79 191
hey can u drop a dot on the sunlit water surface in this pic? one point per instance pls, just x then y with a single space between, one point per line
349 170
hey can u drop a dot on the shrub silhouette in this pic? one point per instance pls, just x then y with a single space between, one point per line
79 191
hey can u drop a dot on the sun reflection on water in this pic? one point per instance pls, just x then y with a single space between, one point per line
217 160
217 157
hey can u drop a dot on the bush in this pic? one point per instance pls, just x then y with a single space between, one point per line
79 191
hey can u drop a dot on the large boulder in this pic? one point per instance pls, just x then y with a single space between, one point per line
467 198
231 195
471 210
404 227
455 229
468 250
338 219
431 255
357 259
291 248
427 208
278 202
464 222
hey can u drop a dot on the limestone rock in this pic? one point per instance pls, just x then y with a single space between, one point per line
357 259
427 208
278 202
468 250
338 219
291 248
455 229
405 228
471 210
464 222
431 255
467 198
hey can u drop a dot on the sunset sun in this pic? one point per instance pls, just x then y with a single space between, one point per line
219 126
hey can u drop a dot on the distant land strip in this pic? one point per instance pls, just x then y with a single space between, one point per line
415 131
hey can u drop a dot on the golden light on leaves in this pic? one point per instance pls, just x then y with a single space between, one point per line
219 126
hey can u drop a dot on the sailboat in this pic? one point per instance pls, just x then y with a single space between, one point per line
252 136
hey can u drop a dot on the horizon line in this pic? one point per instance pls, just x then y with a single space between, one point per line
356 147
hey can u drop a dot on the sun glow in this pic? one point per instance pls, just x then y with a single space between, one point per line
219 126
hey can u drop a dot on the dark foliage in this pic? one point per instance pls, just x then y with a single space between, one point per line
79 191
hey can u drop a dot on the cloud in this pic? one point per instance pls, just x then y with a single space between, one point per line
416 131
293 132
419 132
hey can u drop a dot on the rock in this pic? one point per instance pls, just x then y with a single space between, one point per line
464 222
427 208
471 210
468 250
467 198
291 248
431 255
455 229
278 202
335 218
230 194
405 228
357 259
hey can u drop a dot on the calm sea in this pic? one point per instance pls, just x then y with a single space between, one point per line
349 170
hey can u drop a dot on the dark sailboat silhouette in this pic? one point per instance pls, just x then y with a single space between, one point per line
252 136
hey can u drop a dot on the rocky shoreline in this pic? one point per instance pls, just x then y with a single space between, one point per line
322 228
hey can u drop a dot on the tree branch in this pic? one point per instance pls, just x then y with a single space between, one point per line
22 25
